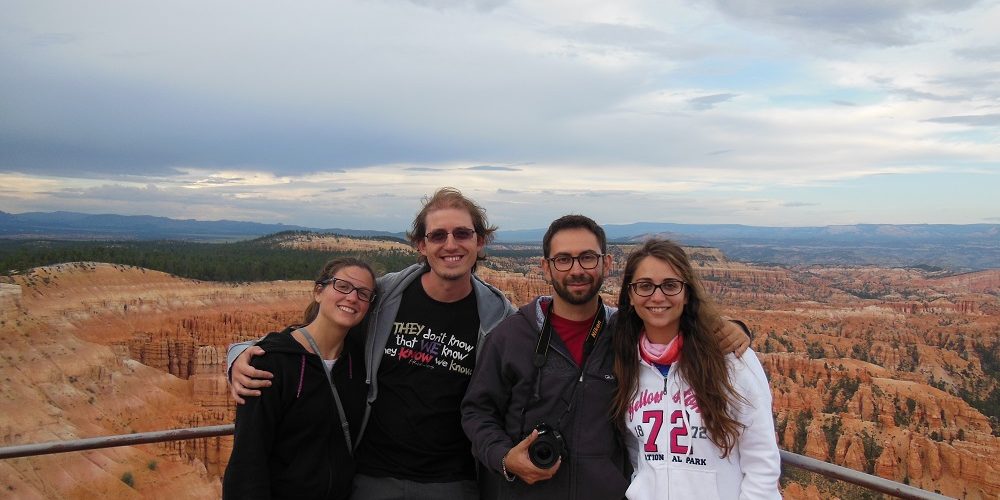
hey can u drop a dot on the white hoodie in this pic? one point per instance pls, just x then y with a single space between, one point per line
672 454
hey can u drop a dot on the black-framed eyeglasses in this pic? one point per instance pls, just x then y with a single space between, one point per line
587 260
646 288
440 235
346 287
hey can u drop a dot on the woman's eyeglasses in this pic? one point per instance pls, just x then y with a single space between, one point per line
646 288
440 235
346 287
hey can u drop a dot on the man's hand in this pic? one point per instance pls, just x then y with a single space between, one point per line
520 465
732 338
245 379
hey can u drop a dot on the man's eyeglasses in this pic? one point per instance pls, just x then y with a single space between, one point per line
646 288
438 236
587 260
346 287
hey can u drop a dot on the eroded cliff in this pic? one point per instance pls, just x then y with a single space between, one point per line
882 370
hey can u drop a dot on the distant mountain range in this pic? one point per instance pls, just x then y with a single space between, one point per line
904 234
955 247
952 247
78 226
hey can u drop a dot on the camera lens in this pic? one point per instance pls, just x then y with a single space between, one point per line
545 451
542 455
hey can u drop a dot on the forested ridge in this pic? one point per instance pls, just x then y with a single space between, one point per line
260 259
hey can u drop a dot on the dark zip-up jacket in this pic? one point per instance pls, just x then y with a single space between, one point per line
288 441
493 306
502 384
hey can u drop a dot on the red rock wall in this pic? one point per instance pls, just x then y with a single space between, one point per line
874 358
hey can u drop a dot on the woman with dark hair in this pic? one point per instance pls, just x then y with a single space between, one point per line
297 439
697 422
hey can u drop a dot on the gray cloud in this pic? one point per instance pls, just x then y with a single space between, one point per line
794 204
494 168
257 106
854 21
479 5
989 53
46 39
222 181
448 91
643 39
709 101
912 94
985 83
992 120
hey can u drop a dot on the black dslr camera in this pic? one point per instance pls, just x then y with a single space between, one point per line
546 450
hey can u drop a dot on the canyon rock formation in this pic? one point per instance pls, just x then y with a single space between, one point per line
888 371
93 349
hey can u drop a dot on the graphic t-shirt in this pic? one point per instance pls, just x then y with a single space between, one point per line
415 430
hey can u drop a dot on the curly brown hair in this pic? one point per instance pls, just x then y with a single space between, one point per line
449 197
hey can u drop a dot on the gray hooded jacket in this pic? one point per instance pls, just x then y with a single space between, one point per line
492 304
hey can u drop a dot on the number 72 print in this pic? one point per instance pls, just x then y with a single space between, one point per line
678 429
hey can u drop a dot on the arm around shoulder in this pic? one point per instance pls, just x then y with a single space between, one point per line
759 456
234 352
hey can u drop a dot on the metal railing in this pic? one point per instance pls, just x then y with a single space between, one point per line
829 470
869 481
28 450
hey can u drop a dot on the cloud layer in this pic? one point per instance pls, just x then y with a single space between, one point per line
346 113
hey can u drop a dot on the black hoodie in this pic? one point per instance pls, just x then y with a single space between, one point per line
289 442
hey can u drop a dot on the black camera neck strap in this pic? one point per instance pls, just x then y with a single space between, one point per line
545 336
542 354
344 426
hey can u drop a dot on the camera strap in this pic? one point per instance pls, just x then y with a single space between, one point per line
333 389
545 336
542 353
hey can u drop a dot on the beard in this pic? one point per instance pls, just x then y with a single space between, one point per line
450 274
582 298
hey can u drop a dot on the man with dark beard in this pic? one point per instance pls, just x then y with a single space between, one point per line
538 407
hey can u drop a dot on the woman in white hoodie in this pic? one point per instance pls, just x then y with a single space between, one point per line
697 422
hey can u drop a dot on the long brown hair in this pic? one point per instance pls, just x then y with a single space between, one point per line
329 269
702 361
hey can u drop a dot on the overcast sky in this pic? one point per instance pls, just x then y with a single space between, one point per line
345 113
